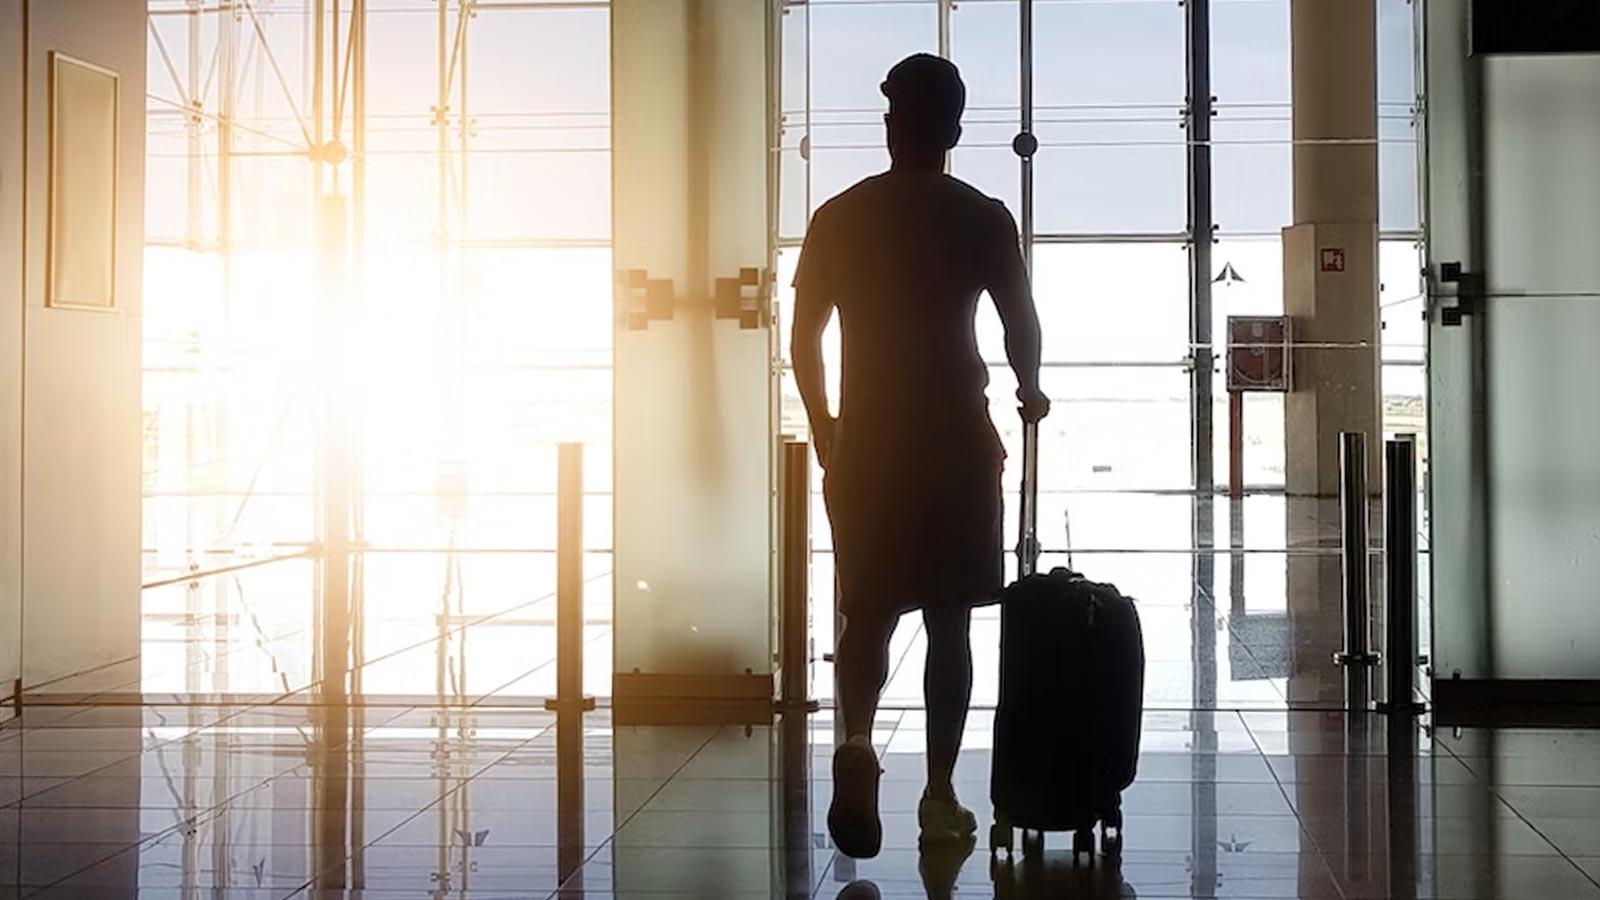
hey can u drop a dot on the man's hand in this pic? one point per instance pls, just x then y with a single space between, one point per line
1035 405
822 432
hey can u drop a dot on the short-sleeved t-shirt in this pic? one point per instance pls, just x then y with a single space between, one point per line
904 258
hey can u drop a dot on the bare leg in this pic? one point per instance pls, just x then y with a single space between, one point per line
947 687
862 666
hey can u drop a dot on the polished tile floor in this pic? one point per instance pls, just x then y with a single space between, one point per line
215 766
303 801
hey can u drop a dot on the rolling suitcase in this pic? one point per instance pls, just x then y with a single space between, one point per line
1066 731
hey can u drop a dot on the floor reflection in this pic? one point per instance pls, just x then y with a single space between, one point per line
356 803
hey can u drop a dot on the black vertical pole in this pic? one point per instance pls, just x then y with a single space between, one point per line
1201 228
1357 657
1203 612
1400 574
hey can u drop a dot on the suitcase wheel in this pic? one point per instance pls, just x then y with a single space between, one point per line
1111 841
1033 845
1111 828
1000 836
1083 842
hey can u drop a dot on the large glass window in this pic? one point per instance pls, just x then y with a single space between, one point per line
480 330
471 314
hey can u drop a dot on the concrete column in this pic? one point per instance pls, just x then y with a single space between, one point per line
1330 254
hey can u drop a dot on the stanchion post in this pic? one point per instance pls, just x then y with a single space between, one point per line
1400 574
794 504
1357 657
569 581
1236 444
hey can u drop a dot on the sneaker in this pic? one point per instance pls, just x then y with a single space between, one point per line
853 815
860 890
940 867
945 821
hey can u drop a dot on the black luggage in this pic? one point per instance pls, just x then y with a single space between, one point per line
1066 732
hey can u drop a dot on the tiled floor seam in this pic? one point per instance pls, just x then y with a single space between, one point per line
192 820
1322 856
431 804
143 750
1535 828
617 826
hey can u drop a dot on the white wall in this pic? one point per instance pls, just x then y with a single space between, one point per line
10 344
81 379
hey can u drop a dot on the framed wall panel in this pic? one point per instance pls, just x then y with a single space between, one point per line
82 245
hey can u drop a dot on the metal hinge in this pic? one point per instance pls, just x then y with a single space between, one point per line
744 298
1469 294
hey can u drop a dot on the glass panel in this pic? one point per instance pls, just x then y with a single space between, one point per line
532 369
528 63
1542 121
1248 281
1399 206
469 363
553 196
854 44
1102 175
1110 428
1402 303
985 42
1250 52
1252 170
1400 298
794 170
693 394
538 94
1126 55
402 68
1251 284
1111 302
1397 52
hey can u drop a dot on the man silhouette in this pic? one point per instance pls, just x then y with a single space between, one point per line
912 463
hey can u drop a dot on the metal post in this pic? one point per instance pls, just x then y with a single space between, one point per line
1236 444
569 582
1357 657
794 611
571 846
1025 145
1202 226
1028 524
1400 573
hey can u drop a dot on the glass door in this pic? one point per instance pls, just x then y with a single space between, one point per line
1513 285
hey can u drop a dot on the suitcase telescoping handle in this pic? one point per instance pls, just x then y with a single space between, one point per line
1028 527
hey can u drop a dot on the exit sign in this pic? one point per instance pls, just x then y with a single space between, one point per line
1333 259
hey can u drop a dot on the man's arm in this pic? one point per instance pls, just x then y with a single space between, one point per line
812 309
1013 298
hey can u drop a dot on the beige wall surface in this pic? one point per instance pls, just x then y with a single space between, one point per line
80 420
10 344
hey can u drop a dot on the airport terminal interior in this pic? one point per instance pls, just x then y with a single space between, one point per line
411 496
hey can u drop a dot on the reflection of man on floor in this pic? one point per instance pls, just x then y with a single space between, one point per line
913 461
